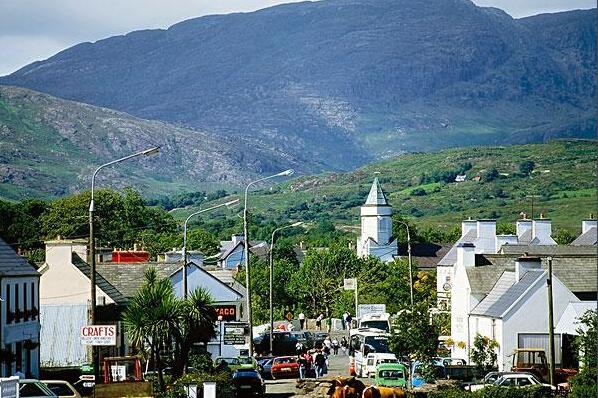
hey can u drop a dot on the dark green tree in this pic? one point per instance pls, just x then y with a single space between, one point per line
526 167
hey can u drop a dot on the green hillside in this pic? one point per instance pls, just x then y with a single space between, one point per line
563 177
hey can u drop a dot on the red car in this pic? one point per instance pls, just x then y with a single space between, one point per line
285 367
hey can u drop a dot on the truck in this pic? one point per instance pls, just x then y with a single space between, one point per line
533 360
379 321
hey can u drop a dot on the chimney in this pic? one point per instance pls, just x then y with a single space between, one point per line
588 223
468 225
525 264
486 241
466 254
59 252
502 240
542 231
236 238
134 247
523 225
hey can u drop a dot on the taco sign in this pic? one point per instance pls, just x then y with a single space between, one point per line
98 335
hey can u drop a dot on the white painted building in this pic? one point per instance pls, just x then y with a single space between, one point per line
376 227
503 296
19 318
482 234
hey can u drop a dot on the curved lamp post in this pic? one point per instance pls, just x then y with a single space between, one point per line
296 224
246 253
409 257
92 251
184 256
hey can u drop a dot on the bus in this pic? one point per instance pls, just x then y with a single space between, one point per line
365 341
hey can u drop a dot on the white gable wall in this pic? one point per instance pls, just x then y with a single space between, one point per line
197 277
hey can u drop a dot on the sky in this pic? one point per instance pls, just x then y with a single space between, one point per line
33 30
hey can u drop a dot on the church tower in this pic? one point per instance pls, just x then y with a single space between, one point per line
376 227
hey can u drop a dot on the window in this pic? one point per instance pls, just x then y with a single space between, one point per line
25 305
19 356
17 305
61 390
9 313
525 382
34 310
32 390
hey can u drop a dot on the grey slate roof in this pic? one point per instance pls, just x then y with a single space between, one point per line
450 258
11 264
578 273
257 247
590 238
101 282
376 196
525 238
505 294
549 250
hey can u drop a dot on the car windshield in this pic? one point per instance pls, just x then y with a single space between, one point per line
388 360
245 360
284 360
377 343
229 361
34 390
382 325
391 374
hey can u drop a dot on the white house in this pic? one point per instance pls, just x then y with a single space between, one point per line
232 252
376 227
482 234
19 318
485 283
588 236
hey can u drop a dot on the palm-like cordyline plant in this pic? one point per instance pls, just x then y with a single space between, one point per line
151 316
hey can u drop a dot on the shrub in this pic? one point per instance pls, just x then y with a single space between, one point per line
222 379
418 192
494 392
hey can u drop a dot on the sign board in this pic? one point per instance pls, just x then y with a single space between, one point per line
350 283
234 333
364 309
87 378
98 335
227 312
89 384
118 372
9 387
87 369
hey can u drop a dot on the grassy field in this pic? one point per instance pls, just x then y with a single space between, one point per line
563 179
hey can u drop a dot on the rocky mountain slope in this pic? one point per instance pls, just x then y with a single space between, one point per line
50 147
336 83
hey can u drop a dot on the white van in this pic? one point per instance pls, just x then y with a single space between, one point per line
375 359
376 321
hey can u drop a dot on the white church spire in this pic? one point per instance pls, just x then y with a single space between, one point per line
376 226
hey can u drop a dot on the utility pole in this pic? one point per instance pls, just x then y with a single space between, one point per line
532 198
550 321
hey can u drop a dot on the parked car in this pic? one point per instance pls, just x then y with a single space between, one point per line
319 338
247 363
265 367
62 389
233 363
284 367
304 337
30 388
514 379
391 374
248 382
283 343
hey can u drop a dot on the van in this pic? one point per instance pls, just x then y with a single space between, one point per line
375 359
391 374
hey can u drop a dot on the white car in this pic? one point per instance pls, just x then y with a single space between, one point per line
375 359
514 380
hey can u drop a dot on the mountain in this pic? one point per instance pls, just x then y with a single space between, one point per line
337 83
422 187
50 147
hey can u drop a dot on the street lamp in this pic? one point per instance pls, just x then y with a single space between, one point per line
227 204
246 252
92 251
296 224
409 257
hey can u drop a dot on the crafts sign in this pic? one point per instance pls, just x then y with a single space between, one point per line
98 335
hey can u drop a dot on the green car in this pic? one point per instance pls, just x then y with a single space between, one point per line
232 363
247 363
391 375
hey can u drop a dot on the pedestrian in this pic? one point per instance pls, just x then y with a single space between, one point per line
344 343
327 342
301 320
302 366
299 348
328 324
349 320
320 363
319 321
308 363
335 346
345 316
290 327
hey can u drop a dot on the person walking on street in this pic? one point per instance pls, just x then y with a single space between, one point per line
308 363
319 321
299 348
335 346
320 363
344 344
345 316
301 320
349 320
328 324
302 366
